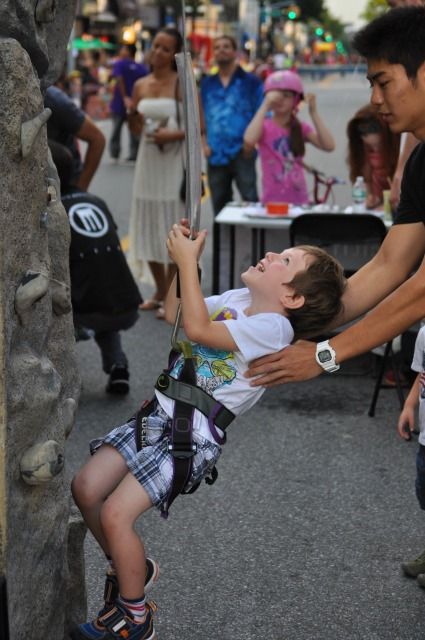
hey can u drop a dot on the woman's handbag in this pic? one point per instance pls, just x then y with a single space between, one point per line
135 123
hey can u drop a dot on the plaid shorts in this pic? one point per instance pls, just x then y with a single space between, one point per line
153 465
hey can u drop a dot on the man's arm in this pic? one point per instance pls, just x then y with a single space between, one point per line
95 139
400 252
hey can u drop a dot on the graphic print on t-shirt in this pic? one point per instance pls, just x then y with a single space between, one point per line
422 378
214 367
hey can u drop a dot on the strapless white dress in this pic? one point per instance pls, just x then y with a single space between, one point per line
156 203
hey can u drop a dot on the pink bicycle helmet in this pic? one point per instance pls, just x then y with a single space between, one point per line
284 81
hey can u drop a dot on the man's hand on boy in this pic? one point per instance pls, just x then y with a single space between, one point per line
181 249
292 364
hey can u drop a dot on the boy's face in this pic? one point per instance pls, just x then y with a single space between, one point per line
272 276
399 100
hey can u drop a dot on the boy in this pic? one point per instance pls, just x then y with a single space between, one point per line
416 568
105 297
298 291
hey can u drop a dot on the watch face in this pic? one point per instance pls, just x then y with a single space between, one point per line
324 356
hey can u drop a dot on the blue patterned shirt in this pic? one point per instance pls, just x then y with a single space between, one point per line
228 111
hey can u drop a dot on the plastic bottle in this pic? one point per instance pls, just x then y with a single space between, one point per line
359 195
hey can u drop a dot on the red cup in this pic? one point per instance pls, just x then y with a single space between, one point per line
277 208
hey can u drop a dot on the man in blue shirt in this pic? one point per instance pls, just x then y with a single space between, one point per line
125 71
230 100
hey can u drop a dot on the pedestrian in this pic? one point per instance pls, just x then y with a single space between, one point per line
67 125
230 99
156 204
373 151
406 425
125 72
104 296
394 47
281 138
297 291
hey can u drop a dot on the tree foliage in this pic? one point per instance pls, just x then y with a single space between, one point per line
310 9
373 9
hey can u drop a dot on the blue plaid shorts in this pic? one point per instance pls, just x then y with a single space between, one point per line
153 465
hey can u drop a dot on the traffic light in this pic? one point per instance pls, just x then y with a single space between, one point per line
319 31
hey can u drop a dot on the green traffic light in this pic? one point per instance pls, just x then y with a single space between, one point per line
319 31
292 15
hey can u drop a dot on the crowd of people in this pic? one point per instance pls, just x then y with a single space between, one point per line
301 292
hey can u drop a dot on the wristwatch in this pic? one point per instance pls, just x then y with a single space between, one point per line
326 357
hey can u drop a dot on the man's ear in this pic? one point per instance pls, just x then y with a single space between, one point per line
420 76
292 300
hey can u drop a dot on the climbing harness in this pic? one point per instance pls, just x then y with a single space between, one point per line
187 397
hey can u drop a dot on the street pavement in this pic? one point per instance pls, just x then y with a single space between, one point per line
302 536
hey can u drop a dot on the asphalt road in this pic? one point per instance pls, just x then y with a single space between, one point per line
302 536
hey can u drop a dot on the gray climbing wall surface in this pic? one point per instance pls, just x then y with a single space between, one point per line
38 375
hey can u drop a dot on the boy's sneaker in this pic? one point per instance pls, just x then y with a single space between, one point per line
413 568
118 623
118 380
111 591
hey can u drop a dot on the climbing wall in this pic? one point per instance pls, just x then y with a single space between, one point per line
38 373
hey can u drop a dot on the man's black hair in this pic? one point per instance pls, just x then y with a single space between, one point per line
131 48
398 37
62 157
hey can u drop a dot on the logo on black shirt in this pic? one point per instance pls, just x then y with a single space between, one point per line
88 220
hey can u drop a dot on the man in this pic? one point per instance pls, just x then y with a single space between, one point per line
67 125
125 71
394 47
409 141
230 100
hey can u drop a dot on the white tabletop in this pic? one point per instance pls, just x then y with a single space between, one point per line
254 215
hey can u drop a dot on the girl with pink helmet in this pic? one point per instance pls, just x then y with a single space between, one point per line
281 138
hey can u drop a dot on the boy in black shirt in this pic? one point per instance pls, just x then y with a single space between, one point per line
105 297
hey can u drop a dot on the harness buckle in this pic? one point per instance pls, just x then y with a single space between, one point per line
182 453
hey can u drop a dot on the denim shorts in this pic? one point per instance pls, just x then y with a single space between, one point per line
420 476
152 466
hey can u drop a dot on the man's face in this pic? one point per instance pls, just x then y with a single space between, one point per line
223 51
399 100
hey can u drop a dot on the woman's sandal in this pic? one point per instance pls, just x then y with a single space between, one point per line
151 305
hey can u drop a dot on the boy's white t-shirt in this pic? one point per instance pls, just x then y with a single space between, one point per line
220 372
418 365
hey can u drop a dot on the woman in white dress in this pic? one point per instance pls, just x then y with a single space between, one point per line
156 203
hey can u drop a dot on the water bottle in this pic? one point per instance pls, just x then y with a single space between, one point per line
359 195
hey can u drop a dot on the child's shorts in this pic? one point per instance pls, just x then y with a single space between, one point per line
152 466
420 476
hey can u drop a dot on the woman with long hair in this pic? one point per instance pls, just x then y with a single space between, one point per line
372 153
156 203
